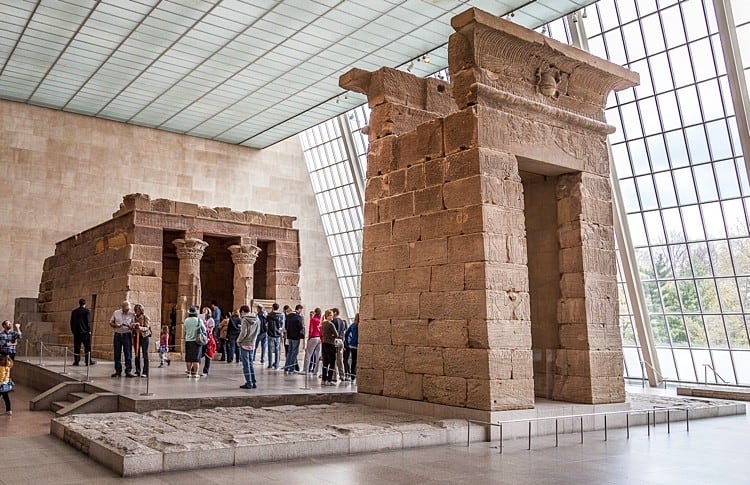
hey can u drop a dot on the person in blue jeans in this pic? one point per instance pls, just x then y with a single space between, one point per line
122 322
295 332
233 331
274 327
246 341
262 338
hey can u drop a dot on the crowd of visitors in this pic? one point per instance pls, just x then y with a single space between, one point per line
239 336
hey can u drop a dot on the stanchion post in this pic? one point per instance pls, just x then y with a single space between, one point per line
648 422
26 350
468 433
147 393
668 424
687 420
605 427
88 365
65 361
501 438
41 354
581 429
627 424
529 435
557 442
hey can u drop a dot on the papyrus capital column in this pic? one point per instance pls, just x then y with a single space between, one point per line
189 252
243 257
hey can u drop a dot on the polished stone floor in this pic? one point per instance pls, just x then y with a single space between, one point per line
712 452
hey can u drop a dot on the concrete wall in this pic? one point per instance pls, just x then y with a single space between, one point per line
63 173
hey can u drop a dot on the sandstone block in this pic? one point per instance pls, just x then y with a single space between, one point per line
499 334
397 182
508 305
402 385
370 213
388 85
396 207
388 357
463 192
377 235
434 172
377 282
448 277
409 332
448 334
428 200
472 363
391 119
587 310
381 156
441 224
407 230
493 219
430 139
481 161
377 187
366 356
394 305
460 131
451 305
369 381
438 97
415 177
424 360
444 390
409 152
466 248
428 252
411 280
496 276
500 394
374 332
386 257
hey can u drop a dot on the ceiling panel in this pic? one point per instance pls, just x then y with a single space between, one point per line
250 72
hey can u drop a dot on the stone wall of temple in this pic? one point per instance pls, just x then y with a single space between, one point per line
64 173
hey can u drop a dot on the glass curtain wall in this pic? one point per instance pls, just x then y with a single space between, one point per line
339 202
683 182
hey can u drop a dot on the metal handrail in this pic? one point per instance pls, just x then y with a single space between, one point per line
716 374
627 413
658 374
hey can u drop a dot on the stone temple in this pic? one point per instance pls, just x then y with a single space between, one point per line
489 262
164 253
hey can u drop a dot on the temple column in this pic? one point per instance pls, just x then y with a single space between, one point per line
243 257
189 252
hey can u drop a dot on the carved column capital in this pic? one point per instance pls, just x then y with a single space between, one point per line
190 248
244 253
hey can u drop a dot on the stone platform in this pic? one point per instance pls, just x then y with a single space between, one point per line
169 440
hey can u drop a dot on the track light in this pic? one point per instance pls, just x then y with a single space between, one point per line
410 66
544 29
426 59
584 15
337 100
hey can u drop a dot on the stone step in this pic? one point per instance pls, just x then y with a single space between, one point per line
77 396
58 405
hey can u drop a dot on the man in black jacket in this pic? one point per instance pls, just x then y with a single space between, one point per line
274 326
80 326
295 332
233 331
341 326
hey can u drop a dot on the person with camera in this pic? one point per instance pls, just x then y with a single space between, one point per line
9 337
122 322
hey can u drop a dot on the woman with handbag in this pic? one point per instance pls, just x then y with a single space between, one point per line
194 335
141 339
6 385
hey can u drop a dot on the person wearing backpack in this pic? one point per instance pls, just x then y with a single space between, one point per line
233 331
262 338
274 325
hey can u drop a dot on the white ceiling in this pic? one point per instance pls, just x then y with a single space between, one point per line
248 72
